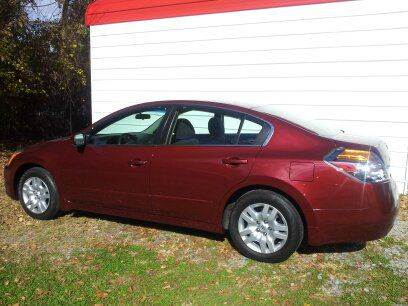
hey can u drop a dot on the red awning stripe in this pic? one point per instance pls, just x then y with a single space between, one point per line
111 11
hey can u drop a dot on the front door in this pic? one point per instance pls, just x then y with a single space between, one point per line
113 169
209 151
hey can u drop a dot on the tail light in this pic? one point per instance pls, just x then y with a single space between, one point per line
364 165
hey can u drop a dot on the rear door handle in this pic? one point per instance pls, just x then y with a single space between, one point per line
137 162
234 161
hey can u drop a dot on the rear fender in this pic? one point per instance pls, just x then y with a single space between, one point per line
260 182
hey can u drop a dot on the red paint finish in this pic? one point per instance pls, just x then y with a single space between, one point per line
191 186
108 11
372 220
188 182
108 176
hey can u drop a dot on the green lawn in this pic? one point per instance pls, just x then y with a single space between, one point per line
133 274
90 259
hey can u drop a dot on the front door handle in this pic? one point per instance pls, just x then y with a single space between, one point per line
137 162
234 161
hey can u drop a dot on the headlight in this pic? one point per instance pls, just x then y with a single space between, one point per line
364 165
11 158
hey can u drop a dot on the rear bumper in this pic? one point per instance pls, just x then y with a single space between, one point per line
373 221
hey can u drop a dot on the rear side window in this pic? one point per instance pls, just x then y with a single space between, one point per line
252 133
194 127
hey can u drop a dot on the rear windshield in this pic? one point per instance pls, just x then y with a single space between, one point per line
303 120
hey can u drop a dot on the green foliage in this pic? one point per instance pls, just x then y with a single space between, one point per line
44 72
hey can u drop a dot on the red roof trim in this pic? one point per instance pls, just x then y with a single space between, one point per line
114 11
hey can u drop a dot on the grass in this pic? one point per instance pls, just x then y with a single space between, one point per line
132 274
90 259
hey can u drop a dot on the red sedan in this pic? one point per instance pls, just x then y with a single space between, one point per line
267 180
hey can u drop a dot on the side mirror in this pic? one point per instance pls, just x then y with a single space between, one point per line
79 140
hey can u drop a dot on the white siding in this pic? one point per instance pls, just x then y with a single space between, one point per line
343 63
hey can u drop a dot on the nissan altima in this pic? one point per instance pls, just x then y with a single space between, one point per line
268 180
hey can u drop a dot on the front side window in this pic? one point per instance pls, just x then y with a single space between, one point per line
217 127
139 128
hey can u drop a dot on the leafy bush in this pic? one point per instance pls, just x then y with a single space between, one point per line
44 72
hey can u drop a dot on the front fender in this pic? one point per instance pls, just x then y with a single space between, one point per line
46 155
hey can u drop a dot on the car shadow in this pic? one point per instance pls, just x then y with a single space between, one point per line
332 248
303 249
153 225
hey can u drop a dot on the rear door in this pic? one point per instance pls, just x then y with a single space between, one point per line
208 152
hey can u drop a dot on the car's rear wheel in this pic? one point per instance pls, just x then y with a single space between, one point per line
265 226
38 194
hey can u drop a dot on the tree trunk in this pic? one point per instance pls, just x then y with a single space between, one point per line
64 12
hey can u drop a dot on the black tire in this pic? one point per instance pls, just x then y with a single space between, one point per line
289 212
54 205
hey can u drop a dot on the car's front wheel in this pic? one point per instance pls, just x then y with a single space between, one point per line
38 194
265 226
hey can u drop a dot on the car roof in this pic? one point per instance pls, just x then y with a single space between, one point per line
227 106
231 106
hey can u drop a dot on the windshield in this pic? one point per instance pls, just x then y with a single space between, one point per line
304 120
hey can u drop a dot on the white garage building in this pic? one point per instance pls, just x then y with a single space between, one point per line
344 63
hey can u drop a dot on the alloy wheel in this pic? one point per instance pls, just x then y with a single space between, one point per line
36 195
263 228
